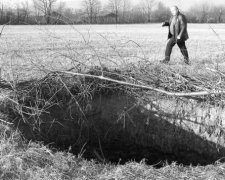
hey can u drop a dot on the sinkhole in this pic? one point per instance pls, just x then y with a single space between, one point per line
113 124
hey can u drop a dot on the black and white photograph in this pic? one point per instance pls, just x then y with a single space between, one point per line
112 89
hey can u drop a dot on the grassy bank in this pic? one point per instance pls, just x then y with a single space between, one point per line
29 160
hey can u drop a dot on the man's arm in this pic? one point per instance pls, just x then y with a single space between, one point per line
165 24
183 24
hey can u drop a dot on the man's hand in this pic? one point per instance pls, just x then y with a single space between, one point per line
163 24
178 39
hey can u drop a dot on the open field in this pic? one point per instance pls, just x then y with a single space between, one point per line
100 92
24 47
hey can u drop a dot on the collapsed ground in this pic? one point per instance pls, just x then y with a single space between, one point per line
122 115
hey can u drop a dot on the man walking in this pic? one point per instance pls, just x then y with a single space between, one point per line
177 34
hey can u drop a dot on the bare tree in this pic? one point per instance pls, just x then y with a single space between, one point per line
137 14
220 15
2 9
126 10
92 9
217 13
148 6
204 13
200 11
45 7
115 7
61 7
25 11
161 13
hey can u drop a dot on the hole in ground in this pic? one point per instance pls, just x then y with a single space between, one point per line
108 134
113 122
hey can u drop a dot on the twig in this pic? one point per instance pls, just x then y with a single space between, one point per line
216 71
201 93
18 104
3 27
6 122
218 36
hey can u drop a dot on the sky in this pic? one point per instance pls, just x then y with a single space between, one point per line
182 4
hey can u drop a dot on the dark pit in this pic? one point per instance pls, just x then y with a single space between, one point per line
111 125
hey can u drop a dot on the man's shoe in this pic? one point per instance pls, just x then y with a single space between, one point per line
186 61
165 61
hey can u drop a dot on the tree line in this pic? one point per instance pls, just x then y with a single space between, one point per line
112 11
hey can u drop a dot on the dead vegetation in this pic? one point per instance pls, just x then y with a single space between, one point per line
64 107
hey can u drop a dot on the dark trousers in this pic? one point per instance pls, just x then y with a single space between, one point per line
181 44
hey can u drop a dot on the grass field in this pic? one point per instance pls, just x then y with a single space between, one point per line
29 47
32 51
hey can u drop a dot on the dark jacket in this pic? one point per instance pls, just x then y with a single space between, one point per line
180 27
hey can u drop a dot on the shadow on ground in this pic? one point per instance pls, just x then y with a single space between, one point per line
115 128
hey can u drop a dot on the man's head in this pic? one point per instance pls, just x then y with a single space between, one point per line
174 10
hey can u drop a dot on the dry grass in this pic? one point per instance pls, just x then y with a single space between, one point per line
28 161
27 49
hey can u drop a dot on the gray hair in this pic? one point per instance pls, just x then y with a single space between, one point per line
175 7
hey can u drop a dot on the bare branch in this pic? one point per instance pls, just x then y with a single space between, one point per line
202 93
